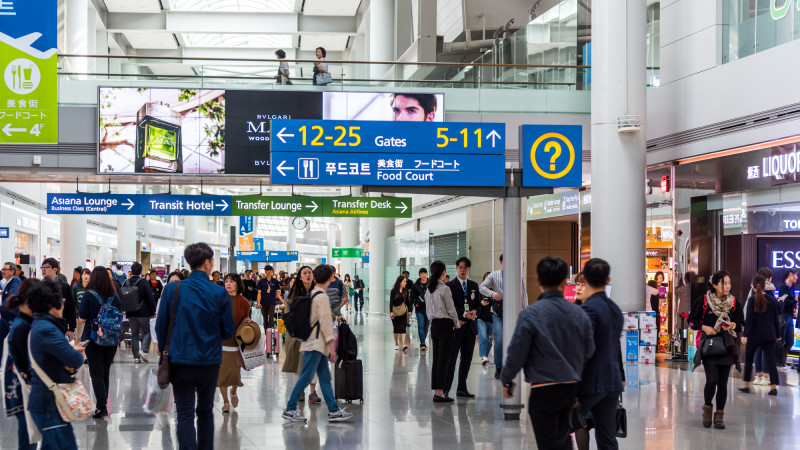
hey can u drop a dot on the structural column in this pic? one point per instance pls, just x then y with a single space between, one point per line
381 35
291 242
350 236
72 234
191 226
618 159
77 33
512 291
126 229
379 230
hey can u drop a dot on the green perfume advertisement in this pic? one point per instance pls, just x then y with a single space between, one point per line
29 91
161 131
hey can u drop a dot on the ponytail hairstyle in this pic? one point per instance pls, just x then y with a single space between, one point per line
437 269
759 283
21 297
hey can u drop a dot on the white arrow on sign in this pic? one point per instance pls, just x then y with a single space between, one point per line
404 207
281 168
129 204
315 206
224 205
494 135
281 135
8 130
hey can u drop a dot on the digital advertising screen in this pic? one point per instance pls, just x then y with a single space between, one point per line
206 131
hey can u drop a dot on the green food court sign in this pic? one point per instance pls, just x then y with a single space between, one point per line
346 253
28 60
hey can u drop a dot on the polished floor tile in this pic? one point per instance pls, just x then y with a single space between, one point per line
663 404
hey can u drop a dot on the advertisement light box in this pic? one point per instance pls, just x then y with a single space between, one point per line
217 131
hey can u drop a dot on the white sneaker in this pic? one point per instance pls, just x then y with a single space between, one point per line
294 416
484 361
340 416
143 356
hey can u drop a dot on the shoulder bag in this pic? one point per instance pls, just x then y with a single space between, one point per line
163 361
713 345
73 401
324 78
622 420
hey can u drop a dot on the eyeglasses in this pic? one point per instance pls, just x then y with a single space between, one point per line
45 267
4 269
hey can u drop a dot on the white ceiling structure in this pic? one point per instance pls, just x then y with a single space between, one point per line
246 29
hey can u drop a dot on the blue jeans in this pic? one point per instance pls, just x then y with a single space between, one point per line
497 324
56 434
485 331
23 441
423 323
314 362
760 361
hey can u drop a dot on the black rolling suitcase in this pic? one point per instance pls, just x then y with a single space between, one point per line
349 380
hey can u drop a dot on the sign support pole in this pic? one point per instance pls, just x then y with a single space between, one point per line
512 283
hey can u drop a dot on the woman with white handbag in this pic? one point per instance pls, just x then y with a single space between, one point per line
54 392
321 75
18 370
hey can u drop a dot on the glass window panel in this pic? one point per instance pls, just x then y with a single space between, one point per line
739 29
773 23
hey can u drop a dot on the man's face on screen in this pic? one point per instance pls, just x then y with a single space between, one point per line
407 109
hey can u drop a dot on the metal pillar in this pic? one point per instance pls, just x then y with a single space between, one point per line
72 234
512 289
191 225
618 158
126 230
379 230
291 243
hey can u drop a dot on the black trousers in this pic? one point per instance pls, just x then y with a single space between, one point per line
194 388
442 339
550 408
100 359
358 299
716 383
268 313
463 344
768 352
604 416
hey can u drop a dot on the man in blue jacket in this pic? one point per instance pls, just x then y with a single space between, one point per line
203 319
603 377
552 341
11 287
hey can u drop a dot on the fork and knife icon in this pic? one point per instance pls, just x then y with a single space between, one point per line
21 77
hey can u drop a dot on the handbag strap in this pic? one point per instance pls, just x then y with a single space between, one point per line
174 308
39 371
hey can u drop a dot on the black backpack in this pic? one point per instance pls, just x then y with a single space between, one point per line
129 297
348 344
298 319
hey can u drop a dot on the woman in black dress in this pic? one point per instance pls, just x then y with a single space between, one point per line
399 311
720 317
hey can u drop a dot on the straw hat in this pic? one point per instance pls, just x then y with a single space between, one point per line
248 335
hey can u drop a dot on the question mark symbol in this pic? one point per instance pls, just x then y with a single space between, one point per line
556 154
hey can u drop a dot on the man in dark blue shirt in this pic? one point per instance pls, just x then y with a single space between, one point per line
269 291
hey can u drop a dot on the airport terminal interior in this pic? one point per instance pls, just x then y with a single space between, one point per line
534 224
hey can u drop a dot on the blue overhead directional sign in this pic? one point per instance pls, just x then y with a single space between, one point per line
551 155
3 232
251 256
377 169
148 205
352 136
388 153
277 256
